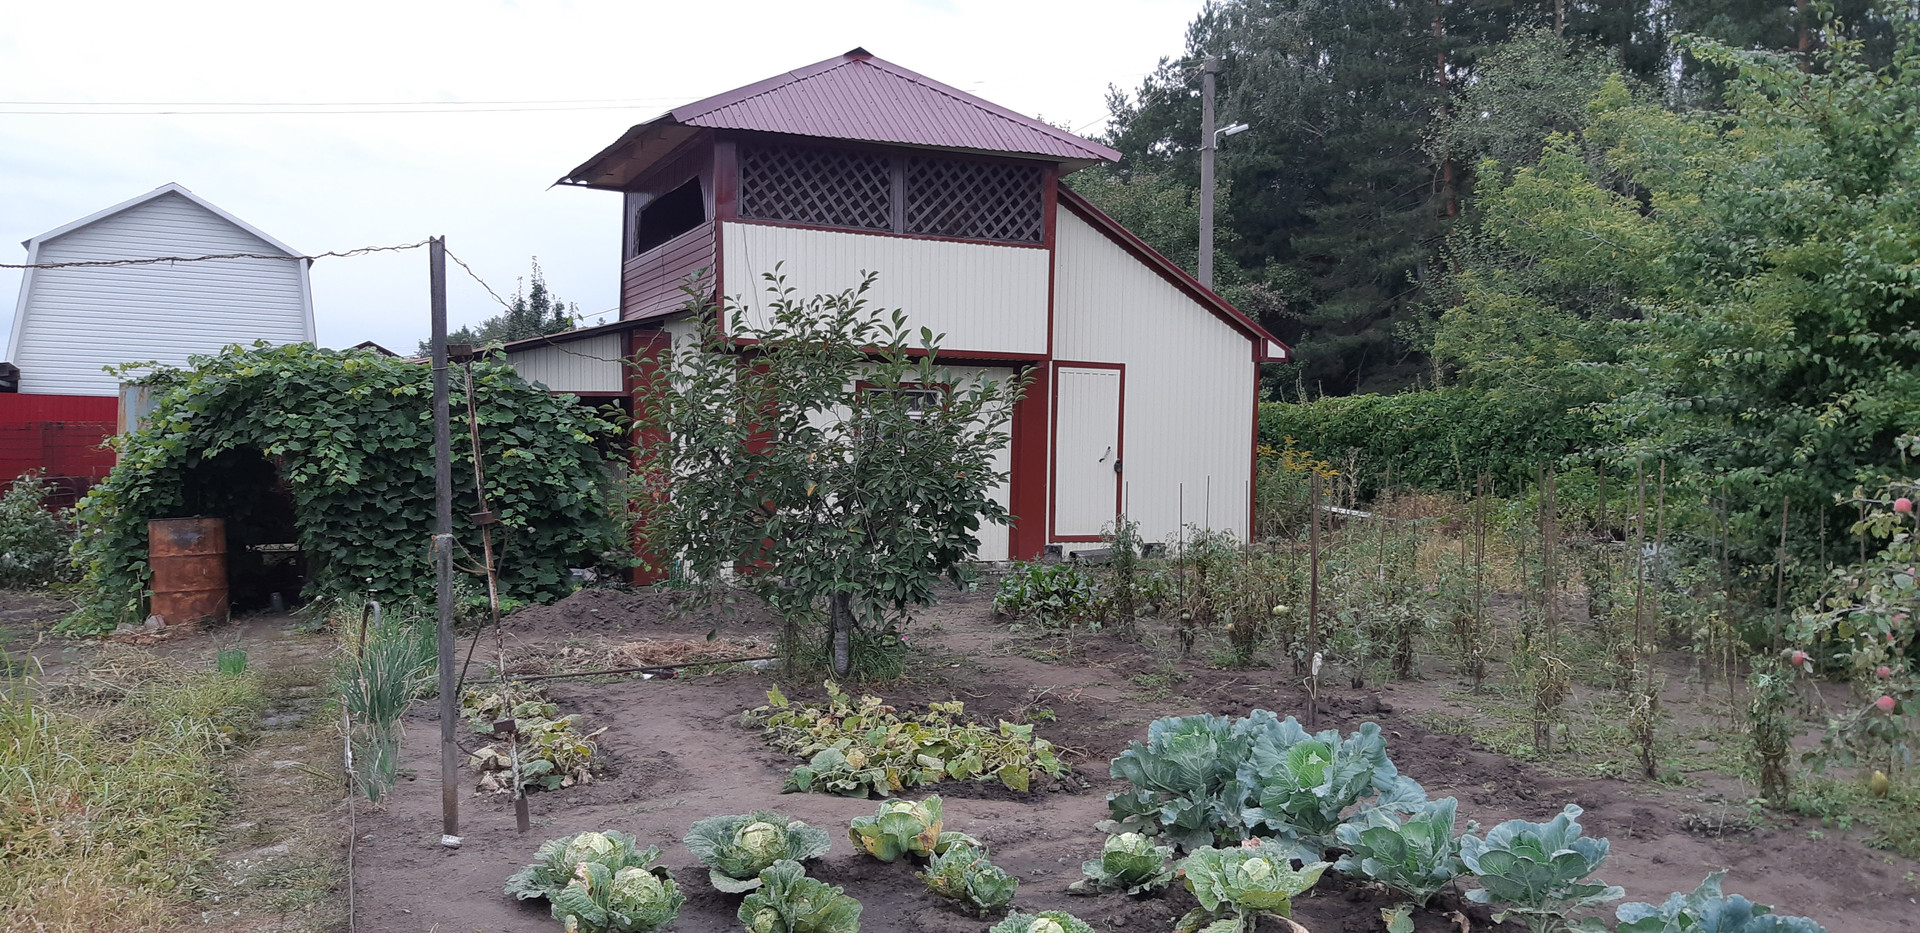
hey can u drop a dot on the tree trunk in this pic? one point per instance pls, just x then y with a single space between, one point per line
840 635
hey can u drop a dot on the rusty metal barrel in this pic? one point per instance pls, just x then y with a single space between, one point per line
189 561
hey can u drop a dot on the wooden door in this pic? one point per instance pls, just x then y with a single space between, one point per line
1087 455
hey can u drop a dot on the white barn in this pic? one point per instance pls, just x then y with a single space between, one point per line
71 322
1146 382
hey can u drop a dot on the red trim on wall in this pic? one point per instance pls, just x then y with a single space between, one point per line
1120 442
1253 459
649 349
1027 483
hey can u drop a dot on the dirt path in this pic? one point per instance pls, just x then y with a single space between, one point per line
675 754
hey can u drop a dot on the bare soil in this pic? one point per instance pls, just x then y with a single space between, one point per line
674 752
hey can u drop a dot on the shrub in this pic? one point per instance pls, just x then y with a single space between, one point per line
1436 440
33 541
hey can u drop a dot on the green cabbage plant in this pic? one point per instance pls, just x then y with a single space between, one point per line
1046 921
1235 886
1537 871
1183 779
962 873
556 862
1128 862
899 827
1416 855
737 848
788 901
1706 910
630 900
1301 785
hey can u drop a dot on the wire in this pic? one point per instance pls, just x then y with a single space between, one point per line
503 303
99 263
322 103
300 113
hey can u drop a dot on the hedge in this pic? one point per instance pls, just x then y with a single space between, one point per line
1439 440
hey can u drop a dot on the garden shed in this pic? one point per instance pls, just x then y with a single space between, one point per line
1144 382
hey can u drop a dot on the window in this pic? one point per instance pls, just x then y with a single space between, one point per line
668 216
920 195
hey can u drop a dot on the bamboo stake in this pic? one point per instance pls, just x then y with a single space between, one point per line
1313 604
1780 585
1659 545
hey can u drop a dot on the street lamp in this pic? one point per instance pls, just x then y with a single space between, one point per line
1209 141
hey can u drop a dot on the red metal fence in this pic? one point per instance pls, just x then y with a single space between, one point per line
58 434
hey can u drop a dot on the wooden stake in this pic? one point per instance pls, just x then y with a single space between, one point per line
1313 602
443 545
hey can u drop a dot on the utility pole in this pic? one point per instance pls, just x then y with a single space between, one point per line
1208 143
443 544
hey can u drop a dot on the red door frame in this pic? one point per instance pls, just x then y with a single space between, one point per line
1053 445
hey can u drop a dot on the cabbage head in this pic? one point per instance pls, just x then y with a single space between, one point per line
899 827
737 848
1046 921
1244 882
788 901
630 900
1128 862
555 862
1537 872
962 873
1415 854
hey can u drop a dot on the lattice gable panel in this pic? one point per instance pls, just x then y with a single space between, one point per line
830 187
974 200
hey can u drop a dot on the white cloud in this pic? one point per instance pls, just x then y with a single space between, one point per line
326 182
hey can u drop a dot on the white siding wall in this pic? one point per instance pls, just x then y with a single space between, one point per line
590 365
988 299
1189 382
79 320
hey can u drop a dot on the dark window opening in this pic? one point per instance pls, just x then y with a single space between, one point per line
668 216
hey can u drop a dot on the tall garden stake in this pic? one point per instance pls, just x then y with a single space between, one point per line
443 545
1313 603
486 520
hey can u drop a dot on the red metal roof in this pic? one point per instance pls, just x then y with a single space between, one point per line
855 96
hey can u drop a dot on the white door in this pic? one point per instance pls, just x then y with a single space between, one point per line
1086 465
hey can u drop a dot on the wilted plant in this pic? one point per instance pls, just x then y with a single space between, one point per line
557 860
736 849
1537 871
634 899
1416 854
1046 921
1128 862
899 827
1770 728
962 873
1235 886
1706 910
552 750
788 901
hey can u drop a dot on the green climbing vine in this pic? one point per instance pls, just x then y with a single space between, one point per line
351 435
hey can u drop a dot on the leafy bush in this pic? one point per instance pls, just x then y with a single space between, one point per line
353 438
629 900
1706 910
557 860
871 748
1416 855
1053 595
1199 779
1239 884
899 827
1046 921
1128 862
788 901
1436 440
736 849
962 873
33 541
1537 871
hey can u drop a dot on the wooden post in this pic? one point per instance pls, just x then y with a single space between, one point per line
1313 601
1659 543
1549 506
443 546
1780 586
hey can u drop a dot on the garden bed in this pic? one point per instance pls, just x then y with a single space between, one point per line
674 752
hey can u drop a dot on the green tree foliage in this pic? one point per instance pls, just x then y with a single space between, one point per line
839 463
1734 291
533 312
352 434
33 540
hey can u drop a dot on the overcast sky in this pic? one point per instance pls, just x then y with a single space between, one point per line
336 181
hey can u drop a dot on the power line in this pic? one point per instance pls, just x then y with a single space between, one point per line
319 113
324 103
100 263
